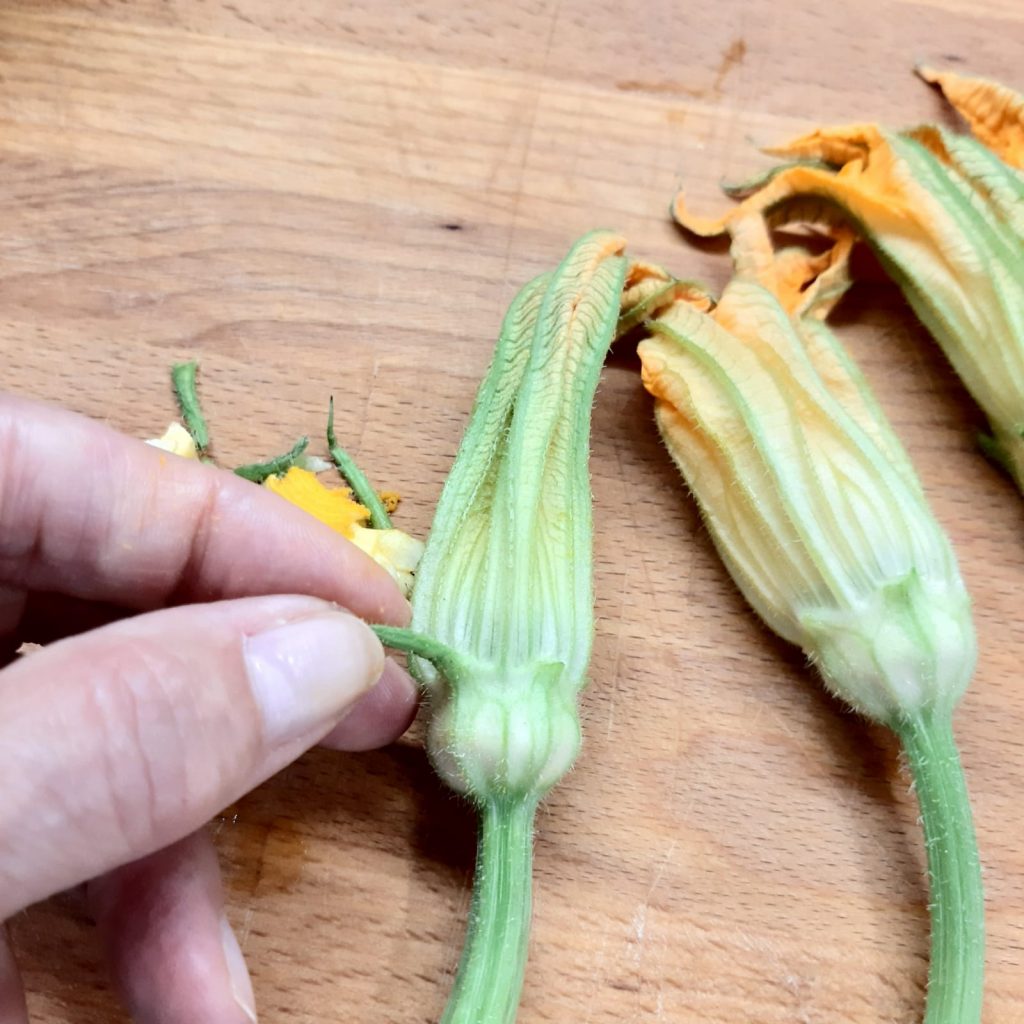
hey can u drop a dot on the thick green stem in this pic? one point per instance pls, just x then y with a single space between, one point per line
957 901
490 974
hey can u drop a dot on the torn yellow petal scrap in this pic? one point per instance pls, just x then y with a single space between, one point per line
391 500
333 506
176 440
393 550
994 112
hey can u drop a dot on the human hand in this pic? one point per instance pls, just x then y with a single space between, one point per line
118 743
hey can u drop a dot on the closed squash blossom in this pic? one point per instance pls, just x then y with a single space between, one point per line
817 513
503 606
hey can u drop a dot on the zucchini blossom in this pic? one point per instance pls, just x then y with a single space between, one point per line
502 607
944 212
816 511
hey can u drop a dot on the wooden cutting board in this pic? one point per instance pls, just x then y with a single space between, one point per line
316 198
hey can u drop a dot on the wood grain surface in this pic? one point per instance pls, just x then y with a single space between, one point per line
317 197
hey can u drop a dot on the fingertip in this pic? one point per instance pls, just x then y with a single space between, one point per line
173 715
380 716
171 949
393 610
305 673
238 973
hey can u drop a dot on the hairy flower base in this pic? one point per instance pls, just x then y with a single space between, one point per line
514 732
908 645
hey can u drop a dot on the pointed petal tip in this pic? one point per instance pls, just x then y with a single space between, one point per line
704 227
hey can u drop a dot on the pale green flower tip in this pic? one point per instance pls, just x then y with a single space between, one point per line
511 733
908 648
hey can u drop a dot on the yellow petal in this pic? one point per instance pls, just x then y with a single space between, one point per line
394 550
176 440
832 145
333 506
804 282
641 279
994 112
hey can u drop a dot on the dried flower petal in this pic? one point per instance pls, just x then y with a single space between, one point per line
994 112
946 217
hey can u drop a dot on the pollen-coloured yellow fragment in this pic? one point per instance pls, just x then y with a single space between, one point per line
392 550
176 440
333 506
390 500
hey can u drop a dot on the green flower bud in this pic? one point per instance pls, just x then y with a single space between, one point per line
505 581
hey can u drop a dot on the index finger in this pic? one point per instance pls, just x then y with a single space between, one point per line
88 512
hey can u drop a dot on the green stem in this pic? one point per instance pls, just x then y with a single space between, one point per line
183 378
356 478
490 974
957 901
447 661
257 472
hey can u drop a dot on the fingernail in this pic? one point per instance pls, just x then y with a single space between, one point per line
238 973
306 674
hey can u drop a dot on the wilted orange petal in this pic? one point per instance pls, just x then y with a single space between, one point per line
706 227
832 145
995 113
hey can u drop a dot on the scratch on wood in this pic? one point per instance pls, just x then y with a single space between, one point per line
732 56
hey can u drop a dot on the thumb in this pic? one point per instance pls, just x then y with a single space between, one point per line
117 742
